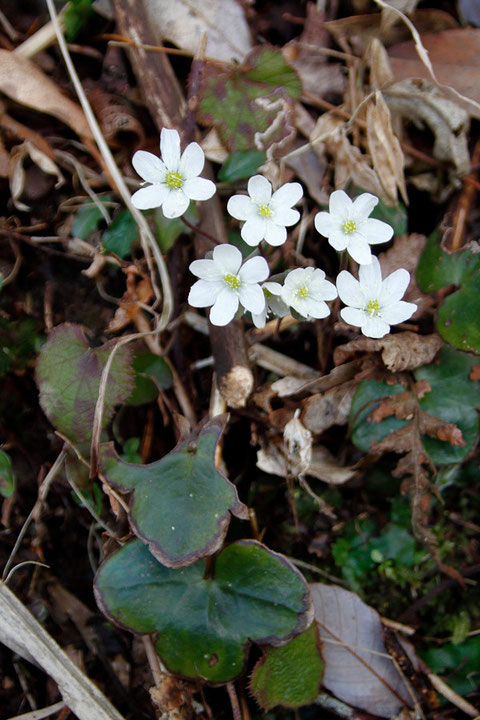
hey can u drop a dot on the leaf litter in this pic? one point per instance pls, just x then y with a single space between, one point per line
342 431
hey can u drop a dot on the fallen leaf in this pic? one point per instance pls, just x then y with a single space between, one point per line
423 104
455 56
400 352
384 148
24 82
186 22
475 373
332 407
17 173
323 466
351 165
358 669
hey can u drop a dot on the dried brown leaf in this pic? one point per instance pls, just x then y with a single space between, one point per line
475 373
455 56
17 173
323 466
329 408
24 82
403 351
384 148
329 135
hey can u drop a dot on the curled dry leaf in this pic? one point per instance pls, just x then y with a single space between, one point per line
298 441
186 22
421 102
403 351
323 466
358 669
332 407
384 148
17 174
330 136
116 118
405 253
24 82
455 56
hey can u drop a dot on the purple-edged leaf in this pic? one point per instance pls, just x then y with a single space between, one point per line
251 105
289 675
68 377
204 623
181 504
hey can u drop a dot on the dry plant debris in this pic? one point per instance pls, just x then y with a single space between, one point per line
202 411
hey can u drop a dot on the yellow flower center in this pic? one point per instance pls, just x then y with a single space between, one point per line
302 292
174 180
373 306
264 211
232 281
349 226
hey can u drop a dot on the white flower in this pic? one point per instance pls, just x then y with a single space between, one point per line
174 179
305 290
374 304
273 304
348 227
266 215
225 283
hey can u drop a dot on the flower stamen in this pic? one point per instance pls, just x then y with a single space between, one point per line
264 211
174 180
349 226
232 281
302 292
373 307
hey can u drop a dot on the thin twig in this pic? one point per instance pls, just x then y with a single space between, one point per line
237 714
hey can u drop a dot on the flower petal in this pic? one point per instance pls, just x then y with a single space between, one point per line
371 279
175 204
170 149
252 297
354 316
288 195
317 308
259 189
192 161
340 204
349 290
254 270
240 207
197 188
228 258
376 231
259 319
152 196
339 240
254 230
204 293
394 287
323 290
397 312
225 307
375 327
363 205
324 224
285 216
149 166
359 250
273 287
206 270
275 234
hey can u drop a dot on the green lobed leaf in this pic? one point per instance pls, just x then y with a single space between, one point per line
7 478
241 164
204 625
453 398
152 374
168 230
121 235
458 316
460 662
76 16
437 269
68 377
289 675
181 504
88 218
251 99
